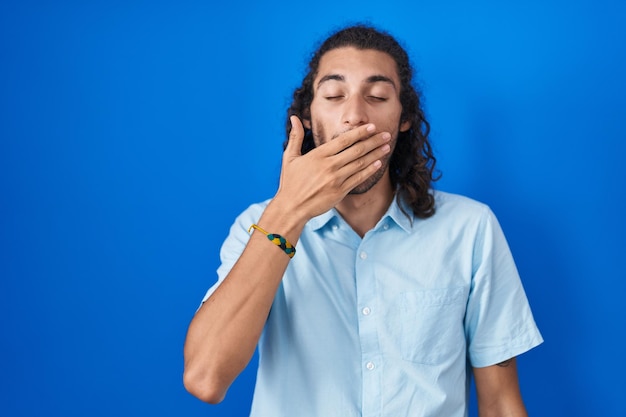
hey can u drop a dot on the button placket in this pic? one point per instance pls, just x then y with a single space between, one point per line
371 361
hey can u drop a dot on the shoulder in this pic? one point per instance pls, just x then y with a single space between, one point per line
239 228
238 234
456 215
251 214
449 204
446 199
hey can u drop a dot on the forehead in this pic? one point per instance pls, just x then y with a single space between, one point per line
357 65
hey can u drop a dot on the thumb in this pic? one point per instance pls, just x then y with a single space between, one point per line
296 137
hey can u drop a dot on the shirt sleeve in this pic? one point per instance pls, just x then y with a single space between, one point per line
499 323
235 243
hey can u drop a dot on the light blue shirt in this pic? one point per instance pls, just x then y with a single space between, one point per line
386 325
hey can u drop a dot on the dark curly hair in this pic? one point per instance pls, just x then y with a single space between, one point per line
412 164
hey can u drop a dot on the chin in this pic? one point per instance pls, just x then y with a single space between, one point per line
368 184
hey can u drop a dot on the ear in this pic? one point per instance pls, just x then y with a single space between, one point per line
306 123
404 126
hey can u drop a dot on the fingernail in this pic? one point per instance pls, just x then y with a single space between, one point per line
386 148
386 136
370 128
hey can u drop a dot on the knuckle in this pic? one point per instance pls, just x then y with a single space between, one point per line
333 183
358 149
344 142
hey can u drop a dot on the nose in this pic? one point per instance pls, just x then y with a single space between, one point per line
355 112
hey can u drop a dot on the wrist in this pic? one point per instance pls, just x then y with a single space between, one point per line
276 239
282 219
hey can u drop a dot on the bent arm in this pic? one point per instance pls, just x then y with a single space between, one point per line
498 392
224 332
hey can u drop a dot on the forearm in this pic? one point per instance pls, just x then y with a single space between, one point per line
223 335
503 409
498 391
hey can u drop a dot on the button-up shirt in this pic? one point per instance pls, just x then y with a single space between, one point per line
387 324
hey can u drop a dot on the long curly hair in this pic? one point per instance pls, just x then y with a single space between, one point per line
412 164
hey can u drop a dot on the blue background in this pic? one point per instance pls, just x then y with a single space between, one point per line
132 133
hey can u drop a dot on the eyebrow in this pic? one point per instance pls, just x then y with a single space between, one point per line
369 80
381 78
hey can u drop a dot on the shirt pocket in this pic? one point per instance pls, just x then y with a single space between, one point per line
431 324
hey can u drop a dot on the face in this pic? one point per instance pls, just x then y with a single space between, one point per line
355 87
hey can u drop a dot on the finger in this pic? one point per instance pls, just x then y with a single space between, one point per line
359 177
360 150
365 162
296 137
349 138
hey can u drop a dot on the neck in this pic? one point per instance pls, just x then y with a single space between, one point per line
363 211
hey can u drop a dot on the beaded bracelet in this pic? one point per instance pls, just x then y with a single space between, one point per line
276 239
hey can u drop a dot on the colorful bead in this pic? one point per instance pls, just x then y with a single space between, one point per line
278 240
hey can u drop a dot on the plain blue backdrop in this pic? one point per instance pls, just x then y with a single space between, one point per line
132 133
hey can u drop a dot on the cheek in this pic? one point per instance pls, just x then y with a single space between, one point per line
319 136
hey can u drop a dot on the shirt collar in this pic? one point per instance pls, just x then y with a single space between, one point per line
405 219
394 212
322 220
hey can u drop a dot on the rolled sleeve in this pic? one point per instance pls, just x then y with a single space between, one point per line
499 323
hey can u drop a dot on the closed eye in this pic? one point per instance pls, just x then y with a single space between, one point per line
376 98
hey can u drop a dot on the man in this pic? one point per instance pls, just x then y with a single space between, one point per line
393 289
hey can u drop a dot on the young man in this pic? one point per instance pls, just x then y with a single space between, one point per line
396 293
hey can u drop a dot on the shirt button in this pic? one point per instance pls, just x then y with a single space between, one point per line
335 227
363 255
370 366
366 311
386 226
